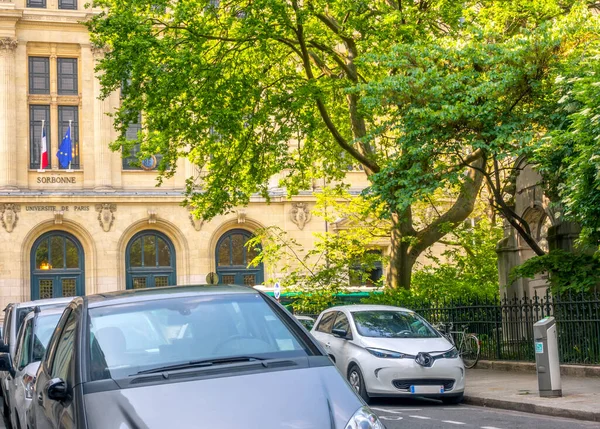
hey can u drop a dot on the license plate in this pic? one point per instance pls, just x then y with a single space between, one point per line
426 389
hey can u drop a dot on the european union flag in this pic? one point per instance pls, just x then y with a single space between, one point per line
65 150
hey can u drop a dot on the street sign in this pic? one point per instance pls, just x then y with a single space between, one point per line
277 291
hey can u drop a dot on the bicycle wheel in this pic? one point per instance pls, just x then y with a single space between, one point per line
469 350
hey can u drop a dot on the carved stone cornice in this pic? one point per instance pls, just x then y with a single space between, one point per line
8 44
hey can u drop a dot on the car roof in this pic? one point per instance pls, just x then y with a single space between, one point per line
44 302
368 307
45 312
301 317
137 295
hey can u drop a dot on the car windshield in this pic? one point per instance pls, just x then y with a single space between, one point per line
392 324
128 338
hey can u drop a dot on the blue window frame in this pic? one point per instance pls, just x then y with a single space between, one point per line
233 257
150 260
57 266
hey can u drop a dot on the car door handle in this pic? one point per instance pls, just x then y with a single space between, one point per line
40 398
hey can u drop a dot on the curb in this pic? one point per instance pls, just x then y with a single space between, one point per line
532 408
568 370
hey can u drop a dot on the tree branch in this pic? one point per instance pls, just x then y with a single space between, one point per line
370 165
460 210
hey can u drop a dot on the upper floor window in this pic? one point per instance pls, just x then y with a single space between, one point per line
132 162
67 4
39 75
36 3
66 115
67 76
39 115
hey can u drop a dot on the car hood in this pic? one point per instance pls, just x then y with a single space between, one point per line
411 346
308 398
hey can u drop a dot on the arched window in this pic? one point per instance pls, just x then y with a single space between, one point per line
57 266
150 260
233 258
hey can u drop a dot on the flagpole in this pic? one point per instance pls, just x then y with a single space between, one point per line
71 157
41 170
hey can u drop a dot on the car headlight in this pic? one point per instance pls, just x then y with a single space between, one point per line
364 418
450 354
382 353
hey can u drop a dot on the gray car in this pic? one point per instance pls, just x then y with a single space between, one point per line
196 356
33 337
14 314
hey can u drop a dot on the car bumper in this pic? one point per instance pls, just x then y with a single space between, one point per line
394 377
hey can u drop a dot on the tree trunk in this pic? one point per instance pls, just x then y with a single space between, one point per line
401 258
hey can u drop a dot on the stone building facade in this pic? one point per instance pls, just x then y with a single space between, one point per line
101 224
546 225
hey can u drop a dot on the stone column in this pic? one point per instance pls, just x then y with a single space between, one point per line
102 133
8 115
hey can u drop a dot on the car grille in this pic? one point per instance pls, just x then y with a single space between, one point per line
405 384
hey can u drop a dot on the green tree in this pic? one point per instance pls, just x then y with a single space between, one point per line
569 158
424 95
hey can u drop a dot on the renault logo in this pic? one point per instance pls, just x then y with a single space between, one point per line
424 359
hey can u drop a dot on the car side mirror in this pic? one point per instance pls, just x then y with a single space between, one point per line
6 363
340 333
3 347
56 389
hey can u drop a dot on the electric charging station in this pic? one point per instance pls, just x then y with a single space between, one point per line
547 363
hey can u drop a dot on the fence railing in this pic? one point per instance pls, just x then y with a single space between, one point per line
505 326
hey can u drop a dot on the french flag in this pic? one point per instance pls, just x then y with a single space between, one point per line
44 150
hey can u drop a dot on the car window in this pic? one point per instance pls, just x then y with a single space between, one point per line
65 347
308 323
42 332
341 322
7 324
326 322
176 330
392 324
21 314
23 351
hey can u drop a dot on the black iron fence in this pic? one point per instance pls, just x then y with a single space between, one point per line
505 326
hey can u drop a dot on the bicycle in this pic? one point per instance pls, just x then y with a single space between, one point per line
468 347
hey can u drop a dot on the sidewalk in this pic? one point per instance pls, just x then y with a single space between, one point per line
518 391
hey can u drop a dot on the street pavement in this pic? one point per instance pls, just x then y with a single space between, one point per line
425 414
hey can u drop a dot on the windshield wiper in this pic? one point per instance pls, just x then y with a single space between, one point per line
201 363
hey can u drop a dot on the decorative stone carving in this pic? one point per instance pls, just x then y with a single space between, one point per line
8 215
241 216
196 222
300 214
58 217
106 215
8 44
98 52
152 216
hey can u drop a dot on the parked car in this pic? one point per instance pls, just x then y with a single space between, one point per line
390 351
307 321
33 337
14 314
201 352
